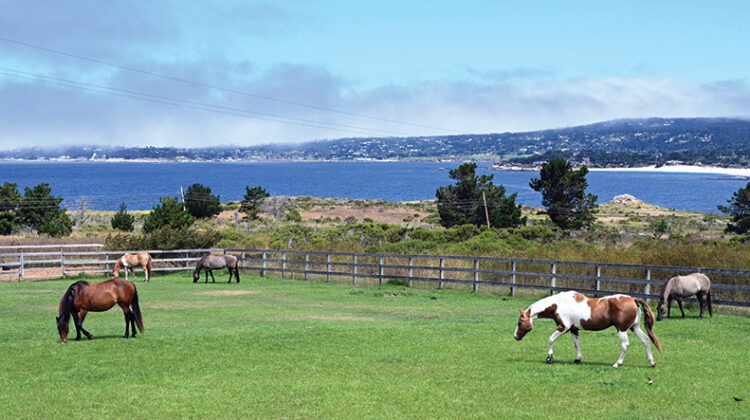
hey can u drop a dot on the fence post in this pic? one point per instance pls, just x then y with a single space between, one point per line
225 251
553 280
475 283
283 265
106 264
62 263
242 258
307 265
411 270
380 271
20 267
354 270
263 271
648 286
328 267
513 278
598 285
442 274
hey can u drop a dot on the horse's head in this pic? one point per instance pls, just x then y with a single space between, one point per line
62 328
525 324
196 275
661 308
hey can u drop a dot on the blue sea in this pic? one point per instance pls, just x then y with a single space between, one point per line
140 184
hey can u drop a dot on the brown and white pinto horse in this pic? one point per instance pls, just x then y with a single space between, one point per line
129 261
573 311
678 287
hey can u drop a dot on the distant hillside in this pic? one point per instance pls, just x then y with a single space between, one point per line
717 141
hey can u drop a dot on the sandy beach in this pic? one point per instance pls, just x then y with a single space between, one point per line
745 172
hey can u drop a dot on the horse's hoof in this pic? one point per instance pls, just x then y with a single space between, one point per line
90 337
550 360
616 365
577 362
653 365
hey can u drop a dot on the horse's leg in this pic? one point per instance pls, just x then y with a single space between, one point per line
81 317
77 324
230 274
552 339
679 303
128 320
669 307
213 279
624 343
574 334
205 271
701 302
644 339
135 278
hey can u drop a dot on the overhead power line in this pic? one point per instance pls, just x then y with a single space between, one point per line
201 106
219 88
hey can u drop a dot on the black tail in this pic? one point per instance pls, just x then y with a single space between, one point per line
137 310
710 310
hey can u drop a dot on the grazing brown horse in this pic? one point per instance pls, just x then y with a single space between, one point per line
213 262
678 287
129 261
83 297
573 311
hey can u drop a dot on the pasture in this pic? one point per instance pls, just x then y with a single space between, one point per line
272 348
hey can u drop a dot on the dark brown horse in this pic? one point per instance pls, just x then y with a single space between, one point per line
213 262
678 287
83 297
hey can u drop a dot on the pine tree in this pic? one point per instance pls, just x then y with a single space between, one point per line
253 198
739 210
463 203
122 220
200 203
564 194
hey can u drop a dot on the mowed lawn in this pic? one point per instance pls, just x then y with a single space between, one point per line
273 348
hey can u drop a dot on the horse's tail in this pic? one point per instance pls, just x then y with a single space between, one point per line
649 321
147 268
708 298
237 269
137 310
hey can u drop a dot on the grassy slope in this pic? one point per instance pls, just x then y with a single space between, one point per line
291 349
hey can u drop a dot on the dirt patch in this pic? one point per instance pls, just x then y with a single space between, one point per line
394 215
228 293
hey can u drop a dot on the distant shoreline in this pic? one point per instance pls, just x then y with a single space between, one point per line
693 169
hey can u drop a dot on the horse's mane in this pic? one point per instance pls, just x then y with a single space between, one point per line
667 288
67 302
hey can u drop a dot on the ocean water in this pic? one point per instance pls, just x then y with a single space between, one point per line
104 185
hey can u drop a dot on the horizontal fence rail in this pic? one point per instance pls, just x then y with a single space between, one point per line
23 265
729 287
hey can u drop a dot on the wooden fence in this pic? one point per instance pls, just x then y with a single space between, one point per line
55 264
730 287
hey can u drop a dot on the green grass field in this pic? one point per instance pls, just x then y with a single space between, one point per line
271 348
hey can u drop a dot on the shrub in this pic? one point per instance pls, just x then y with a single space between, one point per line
200 203
122 220
168 214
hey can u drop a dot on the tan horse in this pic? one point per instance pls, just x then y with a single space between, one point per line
129 261
678 287
573 311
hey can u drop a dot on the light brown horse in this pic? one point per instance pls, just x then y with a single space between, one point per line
678 287
573 311
83 297
129 261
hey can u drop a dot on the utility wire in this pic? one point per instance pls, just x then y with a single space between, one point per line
215 87
201 106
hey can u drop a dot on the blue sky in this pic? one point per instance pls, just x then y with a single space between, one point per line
293 71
